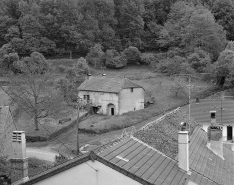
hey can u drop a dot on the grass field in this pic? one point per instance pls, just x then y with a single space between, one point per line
159 85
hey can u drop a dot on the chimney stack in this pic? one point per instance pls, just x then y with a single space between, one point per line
19 161
89 76
215 139
183 148
212 117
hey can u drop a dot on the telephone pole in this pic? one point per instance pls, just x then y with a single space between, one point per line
77 127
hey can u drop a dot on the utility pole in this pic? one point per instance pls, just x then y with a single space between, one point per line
77 127
189 86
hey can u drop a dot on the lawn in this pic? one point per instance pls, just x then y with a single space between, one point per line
159 87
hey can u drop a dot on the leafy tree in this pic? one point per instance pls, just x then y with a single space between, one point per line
132 54
130 23
114 59
96 56
224 66
199 60
75 75
205 33
223 11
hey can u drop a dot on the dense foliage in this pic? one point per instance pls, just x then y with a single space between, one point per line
113 33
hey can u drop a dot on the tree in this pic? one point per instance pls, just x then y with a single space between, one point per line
224 67
199 60
96 56
75 75
179 86
205 33
115 59
32 89
132 54
223 11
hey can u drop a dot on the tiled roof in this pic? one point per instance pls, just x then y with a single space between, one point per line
106 84
164 135
201 112
208 164
145 162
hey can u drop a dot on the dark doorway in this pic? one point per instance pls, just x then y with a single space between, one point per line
112 111
229 132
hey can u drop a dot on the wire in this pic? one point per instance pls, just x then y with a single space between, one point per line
37 120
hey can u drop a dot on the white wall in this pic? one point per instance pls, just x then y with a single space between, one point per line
83 174
224 133
131 100
103 99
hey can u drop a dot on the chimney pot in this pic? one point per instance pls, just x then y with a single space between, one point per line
212 117
89 76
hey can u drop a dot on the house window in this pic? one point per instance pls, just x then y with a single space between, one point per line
86 97
131 89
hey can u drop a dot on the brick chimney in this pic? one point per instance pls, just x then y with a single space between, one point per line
19 161
215 139
183 147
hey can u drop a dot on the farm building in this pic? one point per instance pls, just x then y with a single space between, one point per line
111 96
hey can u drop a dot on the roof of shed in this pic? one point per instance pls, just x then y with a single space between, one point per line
106 84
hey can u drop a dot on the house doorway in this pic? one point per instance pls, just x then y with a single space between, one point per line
229 132
111 109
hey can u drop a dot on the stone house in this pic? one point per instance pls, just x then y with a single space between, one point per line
111 96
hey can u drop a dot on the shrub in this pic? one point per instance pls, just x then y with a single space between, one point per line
147 58
199 60
171 66
157 58
132 54
114 59
61 68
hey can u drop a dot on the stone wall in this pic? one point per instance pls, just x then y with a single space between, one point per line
6 128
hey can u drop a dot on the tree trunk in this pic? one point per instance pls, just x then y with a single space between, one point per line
36 123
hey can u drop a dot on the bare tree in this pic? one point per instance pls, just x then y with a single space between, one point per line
33 92
179 86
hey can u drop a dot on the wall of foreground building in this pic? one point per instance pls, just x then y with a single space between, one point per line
85 174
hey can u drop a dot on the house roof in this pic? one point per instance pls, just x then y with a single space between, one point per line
208 164
164 135
148 165
201 112
106 84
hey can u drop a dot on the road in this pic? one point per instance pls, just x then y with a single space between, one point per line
43 154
